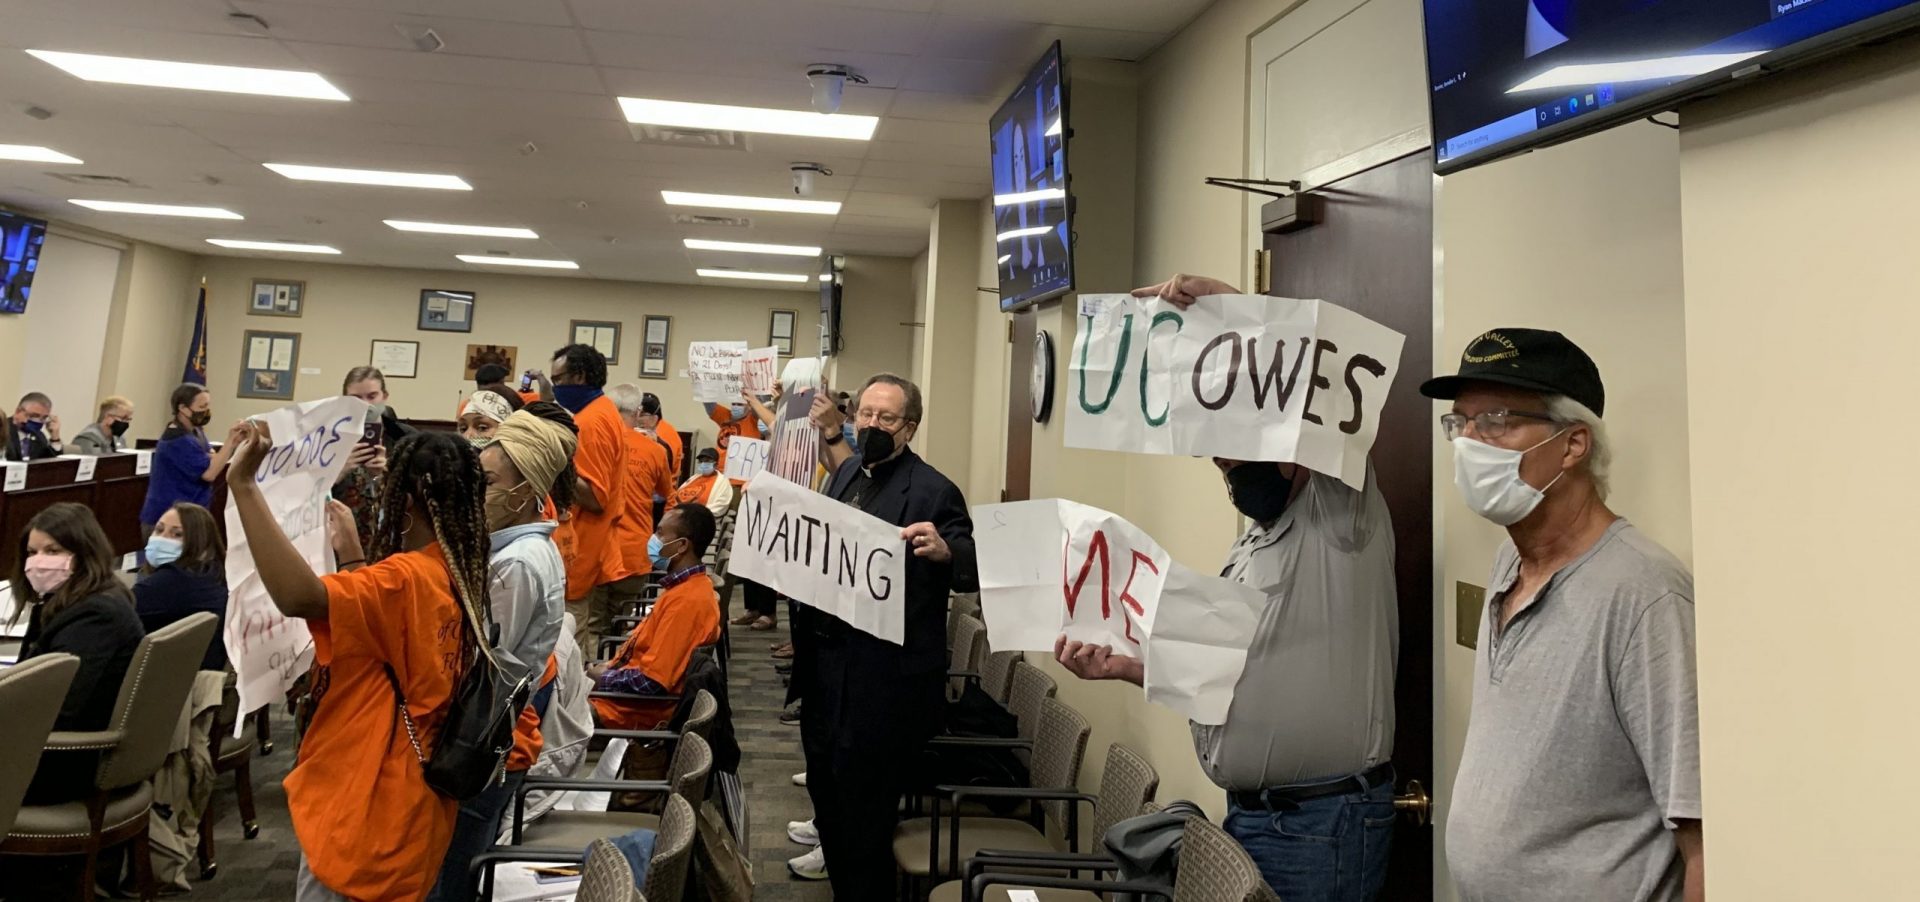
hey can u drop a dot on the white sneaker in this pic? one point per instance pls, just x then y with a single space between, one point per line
800 779
803 833
811 866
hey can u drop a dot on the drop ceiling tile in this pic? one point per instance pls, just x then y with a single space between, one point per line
1163 16
377 30
404 65
529 12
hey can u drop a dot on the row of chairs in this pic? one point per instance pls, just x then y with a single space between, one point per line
966 847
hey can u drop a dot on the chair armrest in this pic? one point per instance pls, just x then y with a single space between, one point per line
667 735
979 742
1031 861
1014 792
634 696
64 740
969 675
572 783
982 881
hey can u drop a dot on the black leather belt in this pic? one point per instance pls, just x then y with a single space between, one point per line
1282 798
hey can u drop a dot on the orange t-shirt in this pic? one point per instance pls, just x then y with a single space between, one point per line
647 476
748 426
601 459
368 823
527 740
693 491
563 537
671 437
686 616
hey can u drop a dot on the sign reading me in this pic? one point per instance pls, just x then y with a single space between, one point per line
824 554
1246 377
1054 568
311 443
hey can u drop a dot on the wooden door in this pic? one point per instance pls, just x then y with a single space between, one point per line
1372 253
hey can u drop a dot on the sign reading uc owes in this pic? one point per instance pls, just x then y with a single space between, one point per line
1245 377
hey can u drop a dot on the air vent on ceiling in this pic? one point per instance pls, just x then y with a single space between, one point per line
87 178
699 219
701 138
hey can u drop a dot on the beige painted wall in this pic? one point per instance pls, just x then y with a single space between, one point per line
1799 244
148 331
987 470
877 304
1585 239
953 306
349 306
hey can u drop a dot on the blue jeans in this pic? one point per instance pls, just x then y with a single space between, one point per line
1331 849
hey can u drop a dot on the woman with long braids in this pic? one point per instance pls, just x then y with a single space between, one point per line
390 641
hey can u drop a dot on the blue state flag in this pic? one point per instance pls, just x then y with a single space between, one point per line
196 369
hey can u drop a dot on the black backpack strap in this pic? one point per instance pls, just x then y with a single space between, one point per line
400 704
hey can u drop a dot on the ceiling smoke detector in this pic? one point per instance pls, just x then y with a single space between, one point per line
829 81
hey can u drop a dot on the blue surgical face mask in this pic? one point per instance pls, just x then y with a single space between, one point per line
575 398
739 411
656 550
33 426
704 468
162 551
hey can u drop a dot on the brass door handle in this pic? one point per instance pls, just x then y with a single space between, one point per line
1415 804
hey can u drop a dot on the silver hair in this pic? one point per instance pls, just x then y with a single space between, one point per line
1600 456
626 397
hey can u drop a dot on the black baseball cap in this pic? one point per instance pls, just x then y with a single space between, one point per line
1533 359
707 454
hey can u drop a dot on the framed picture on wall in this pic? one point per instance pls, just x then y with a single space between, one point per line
653 352
446 311
481 355
780 332
395 359
277 297
269 361
601 336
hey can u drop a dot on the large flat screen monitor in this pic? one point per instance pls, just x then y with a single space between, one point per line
20 241
1032 213
1508 75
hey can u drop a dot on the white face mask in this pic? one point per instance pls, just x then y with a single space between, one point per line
1489 480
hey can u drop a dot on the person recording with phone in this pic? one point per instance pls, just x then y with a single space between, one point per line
359 485
185 464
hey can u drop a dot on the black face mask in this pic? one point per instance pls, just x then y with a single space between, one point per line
119 428
1260 491
876 445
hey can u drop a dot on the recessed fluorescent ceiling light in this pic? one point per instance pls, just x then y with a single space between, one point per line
115 206
1028 197
442 228
747 247
1052 130
1022 233
370 177
739 202
284 247
124 70
748 119
33 154
485 260
751 276
825 278
1004 258
1631 70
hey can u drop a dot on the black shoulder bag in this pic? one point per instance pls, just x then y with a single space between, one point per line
471 753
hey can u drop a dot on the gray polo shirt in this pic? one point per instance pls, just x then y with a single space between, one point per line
1583 746
1315 702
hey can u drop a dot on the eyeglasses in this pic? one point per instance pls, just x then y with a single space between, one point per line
1489 425
883 419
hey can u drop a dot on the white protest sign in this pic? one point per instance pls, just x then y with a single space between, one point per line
746 457
1050 568
827 555
714 367
1246 377
311 442
757 370
796 441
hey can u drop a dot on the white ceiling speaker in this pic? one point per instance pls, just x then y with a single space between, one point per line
803 176
829 82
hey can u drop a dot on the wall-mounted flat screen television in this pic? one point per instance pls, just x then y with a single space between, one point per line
1032 212
1509 75
20 242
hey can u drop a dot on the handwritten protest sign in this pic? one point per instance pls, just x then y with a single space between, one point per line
1239 376
311 442
746 457
830 556
757 370
796 442
1051 567
714 367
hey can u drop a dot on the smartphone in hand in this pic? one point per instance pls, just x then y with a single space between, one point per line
375 431
526 381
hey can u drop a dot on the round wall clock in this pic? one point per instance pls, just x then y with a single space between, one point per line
1042 377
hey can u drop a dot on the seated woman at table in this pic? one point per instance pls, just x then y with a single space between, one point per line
63 575
185 573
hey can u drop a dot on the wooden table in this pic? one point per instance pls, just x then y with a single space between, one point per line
115 494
